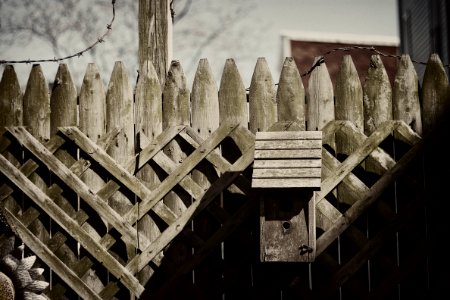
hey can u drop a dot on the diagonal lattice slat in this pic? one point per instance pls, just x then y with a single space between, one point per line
75 223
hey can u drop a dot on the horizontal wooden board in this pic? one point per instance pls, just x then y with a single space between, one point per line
287 173
287 163
289 135
288 153
286 183
288 144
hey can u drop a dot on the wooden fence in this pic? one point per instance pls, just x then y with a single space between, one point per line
146 191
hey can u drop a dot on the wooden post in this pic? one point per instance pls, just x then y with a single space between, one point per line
155 36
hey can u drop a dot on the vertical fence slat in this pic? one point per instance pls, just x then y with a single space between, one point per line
175 112
232 96
435 94
262 102
233 108
36 116
120 114
63 106
377 93
63 101
435 121
92 122
405 98
11 112
205 120
92 104
36 105
148 120
349 102
291 94
320 101
205 101
92 119
11 101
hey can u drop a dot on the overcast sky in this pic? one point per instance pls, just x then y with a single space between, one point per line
366 17
258 30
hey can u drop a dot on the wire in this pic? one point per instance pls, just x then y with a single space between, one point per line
99 40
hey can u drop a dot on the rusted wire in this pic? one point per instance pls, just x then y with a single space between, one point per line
321 59
99 40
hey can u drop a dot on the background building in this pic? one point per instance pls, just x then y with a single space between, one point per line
305 46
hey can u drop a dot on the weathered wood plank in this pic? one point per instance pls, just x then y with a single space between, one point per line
92 122
289 135
286 173
291 144
291 94
175 228
74 183
120 114
36 105
68 224
63 101
283 153
100 155
92 104
320 105
262 101
435 94
377 94
175 112
355 158
205 120
36 117
52 261
285 182
287 163
11 99
30 165
405 97
379 157
189 163
343 221
232 96
348 102
205 100
221 234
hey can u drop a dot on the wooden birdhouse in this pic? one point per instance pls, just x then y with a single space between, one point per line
287 171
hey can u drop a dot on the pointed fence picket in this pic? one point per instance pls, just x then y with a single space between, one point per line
124 122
